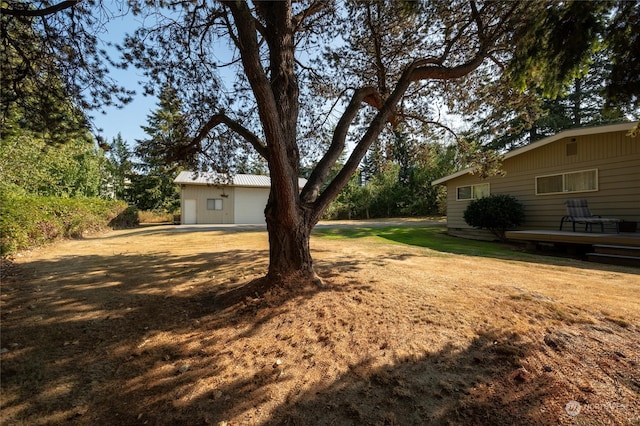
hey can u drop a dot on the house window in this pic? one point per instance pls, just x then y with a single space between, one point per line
472 192
214 204
549 184
581 181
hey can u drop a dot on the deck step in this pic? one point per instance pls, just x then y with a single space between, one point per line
614 259
617 250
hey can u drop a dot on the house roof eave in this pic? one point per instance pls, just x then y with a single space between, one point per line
452 176
583 131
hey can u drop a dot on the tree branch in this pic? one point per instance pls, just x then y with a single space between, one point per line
439 72
247 42
260 8
418 70
435 123
40 12
496 61
381 71
321 170
314 8
242 131
478 20
377 124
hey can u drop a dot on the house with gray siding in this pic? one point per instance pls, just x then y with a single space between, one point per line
210 198
600 164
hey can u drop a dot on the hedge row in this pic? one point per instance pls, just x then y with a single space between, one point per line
28 221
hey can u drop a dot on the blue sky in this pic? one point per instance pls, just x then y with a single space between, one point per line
128 119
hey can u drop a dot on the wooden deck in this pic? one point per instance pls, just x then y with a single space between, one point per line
631 239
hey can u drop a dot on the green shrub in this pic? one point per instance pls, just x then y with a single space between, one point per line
497 213
27 221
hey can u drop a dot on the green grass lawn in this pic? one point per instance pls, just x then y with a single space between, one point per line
432 237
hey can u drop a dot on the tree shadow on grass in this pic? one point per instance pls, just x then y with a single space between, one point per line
450 386
132 339
77 331
91 340
74 325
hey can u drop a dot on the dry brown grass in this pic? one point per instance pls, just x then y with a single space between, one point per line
154 326
149 217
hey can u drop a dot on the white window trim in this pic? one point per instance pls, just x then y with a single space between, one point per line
564 191
214 204
473 195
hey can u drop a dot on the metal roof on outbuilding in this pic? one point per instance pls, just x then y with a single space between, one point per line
211 178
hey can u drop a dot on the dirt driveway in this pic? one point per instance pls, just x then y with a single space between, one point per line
153 326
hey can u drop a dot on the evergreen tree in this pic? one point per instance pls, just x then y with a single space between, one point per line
161 156
374 162
38 103
404 156
572 67
534 116
622 42
120 168
54 51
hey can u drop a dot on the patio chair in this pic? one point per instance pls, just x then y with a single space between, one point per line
578 212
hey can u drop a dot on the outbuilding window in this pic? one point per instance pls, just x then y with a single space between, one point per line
472 192
214 204
580 181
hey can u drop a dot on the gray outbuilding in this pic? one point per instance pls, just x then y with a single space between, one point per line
211 198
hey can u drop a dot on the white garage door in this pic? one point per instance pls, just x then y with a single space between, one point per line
250 204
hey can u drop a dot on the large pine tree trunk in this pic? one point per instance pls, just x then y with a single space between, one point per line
288 224
289 252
